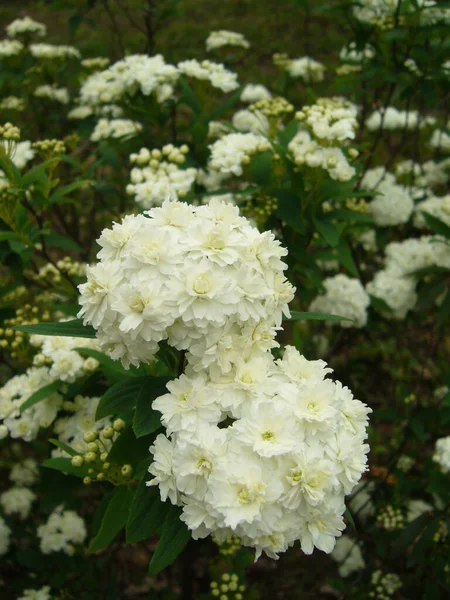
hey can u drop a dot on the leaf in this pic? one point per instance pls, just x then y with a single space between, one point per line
9 235
424 541
62 192
436 225
114 519
345 257
286 134
146 420
65 466
147 512
127 449
120 397
60 241
189 96
225 106
63 446
312 316
74 328
444 310
175 535
328 231
39 395
409 534
288 209
261 168
348 515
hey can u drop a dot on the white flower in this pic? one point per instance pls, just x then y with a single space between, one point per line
437 206
344 296
218 39
25 473
60 95
50 51
10 48
254 93
42 594
25 25
215 73
115 128
5 533
17 501
307 68
230 153
254 122
62 532
349 556
442 453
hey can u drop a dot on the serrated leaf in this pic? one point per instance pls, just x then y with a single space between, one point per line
174 537
312 316
114 518
121 397
74 328
146 513
146 420
39 395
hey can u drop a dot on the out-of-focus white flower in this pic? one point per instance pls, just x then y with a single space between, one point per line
218 39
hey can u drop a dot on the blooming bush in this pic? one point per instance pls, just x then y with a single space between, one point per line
190 248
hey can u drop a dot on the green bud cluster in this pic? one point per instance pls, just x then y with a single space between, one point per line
227 587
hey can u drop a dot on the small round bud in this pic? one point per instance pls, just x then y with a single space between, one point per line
103 456
91 471
106 466
108 432
92 447
87 481
126 470
118 425
90 457
101 477
77 461
90 436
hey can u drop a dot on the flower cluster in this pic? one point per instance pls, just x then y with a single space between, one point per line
437 206
441 454
427 174
197 276
24 26
158 177
293 447
12 103
392 118
62 532
393 204
353 53
60 95
347 553
384 586
41 594
17 501
5 533
231 153
440 140
50 51
330 119
115 128
254 93
346 297
10 48
218 39
218 76
307 68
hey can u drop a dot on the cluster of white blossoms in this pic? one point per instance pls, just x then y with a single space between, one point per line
232 152
440 140
382 13
136 73
352 53
252 121
115 128
395 284
25 473
51 92
12 103
218 76
218 39
42 594
278 473
437 206
441 454
97 63
63 531
197 276
344 296
24 26
21 153
70 430
51 51
384 585
307 68
157 175
347 553
10 48
391 118
17 501
255 92
393 204
330 119
5 534
425 175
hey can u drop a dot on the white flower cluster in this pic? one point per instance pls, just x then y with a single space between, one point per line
344 296
96 63
427 174
17 501
381 12
251 121
201 277
347 553
25 473
115 128
133 74
218 76
60 95
10 48
309 152
392 118
158 177
5 533
50 51
218 39
385 586
65 363
62 532
352 53
437 206
255 93
293 448
395 284
441 454
440 139
307 68
330 119
393 204
70 430
22 153
42 594
12 103
232 152
26 25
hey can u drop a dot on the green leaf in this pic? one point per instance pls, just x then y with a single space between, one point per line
409 534
127 449
444 310
121 397
147 512
112 369
60 241
312 316
345 257
9 235
64 465
348 515
289 209
146 420
286 134
74 328
63 446
328 231
62 192
436 225
189 96
261 168
114 519
225 106
175 536
39 395
425 540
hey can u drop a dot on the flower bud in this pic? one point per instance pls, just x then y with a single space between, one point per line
77 461
127 470
103 456
90 436
87 481
118 425
92 447
90 457
108 432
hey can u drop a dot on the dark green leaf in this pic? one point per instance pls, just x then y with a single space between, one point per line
59 241
146 420
312 316
289 209
261 168
328 231
114 519
425 540
74 328
147 512
348 515
225 106
345 257
121 397
127 449
436 225
409 534
40 395
175 535
444 310
63 446
65 466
